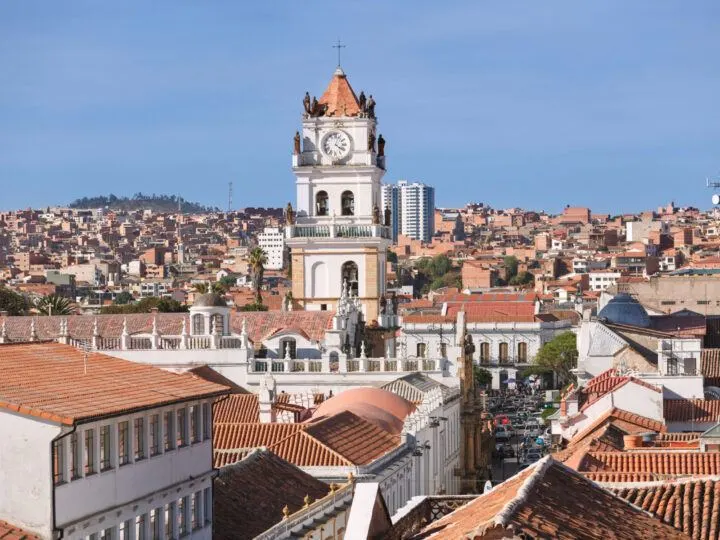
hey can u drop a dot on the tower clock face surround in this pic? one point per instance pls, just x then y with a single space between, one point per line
336 145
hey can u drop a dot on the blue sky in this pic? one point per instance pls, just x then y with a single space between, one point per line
609 104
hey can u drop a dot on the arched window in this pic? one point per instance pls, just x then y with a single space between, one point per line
289 345
503 352
484 352
350 275
420 349
216 324
522 352
347 203
198 324
321 203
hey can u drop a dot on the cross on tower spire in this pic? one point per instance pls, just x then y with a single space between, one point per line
339 46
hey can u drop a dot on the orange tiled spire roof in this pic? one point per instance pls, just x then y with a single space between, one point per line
339 98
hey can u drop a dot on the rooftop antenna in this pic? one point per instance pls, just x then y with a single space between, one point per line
229 196
339 45
714 184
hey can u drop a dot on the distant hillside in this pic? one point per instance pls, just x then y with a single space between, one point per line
140 201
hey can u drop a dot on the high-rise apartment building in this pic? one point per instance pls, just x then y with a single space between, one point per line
272 242
413 209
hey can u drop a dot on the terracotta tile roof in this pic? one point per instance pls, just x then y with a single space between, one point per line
243 436
486 297
658 462
357 440
209 374
56 382
339 98
414 386
548 500
8 531
615 477
260 324
249 496
427 318
692 507
237 408
687 410
590 393
494 311
710 366
678 437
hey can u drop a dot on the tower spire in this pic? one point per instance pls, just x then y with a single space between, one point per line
339 45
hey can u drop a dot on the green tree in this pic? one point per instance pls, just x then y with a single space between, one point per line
482 376
511 266
441 265
163 305
12 302
523 278
558 355
227 281
201 288
54 304
392 256
257 261
124 297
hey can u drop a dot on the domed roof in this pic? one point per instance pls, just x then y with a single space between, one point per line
624 309
209 300
380 407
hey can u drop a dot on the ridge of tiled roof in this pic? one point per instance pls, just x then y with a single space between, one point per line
676 463
62 384
8 531
249 496
237 409
238 436
209 374
547 500
610 384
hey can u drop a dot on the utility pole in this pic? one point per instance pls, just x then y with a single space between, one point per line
229 196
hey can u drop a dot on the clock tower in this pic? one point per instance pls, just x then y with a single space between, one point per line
337 233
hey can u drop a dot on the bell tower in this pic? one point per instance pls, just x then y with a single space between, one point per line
337 232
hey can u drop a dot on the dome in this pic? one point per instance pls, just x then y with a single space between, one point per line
624 309
380 407
209 300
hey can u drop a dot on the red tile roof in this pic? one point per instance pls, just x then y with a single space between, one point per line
710 366
8 531
548 500
339 98
595 390
688 410
692 507
249 496
57 382
237 408
676 463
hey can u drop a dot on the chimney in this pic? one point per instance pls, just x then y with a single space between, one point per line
266 399
154 310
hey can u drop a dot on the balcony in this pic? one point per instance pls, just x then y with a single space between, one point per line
338 231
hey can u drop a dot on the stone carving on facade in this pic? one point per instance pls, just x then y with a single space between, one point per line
381 146
370 107
362 101
388 216
376 215
296 143
371 142
306 103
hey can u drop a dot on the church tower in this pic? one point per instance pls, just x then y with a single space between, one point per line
337 233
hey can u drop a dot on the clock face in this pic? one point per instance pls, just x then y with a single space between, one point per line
336 145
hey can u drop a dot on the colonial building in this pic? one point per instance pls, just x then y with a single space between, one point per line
337 233
104 448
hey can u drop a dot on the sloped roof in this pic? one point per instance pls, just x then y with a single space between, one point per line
414 386
710 366
237 408
691 506
339 98
548 500
209 374
62 384
691 410
678 463
249 496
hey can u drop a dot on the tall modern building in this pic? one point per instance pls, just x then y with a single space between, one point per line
272 242
413 209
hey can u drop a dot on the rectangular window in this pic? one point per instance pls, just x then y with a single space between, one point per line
208 505
105 463
123 443
75 457
139 442
207 420
154 435
194 423
124 530
105 534
195 510
140 527
181 516
168 521
155 524
169 431
59 461
90 466
181 428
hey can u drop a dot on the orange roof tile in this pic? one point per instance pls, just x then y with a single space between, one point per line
710 366
548 500
676 463
237 408
687 410
59 383
8 531
339 98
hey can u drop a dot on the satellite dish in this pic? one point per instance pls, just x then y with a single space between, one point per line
488 486
716 199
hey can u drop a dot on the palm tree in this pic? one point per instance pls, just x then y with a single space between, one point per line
54 304
257 260
201 288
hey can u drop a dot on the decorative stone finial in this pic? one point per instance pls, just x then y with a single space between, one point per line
184 328
307 500
285 512
287 351
351 478
362 349
33 330
154 326
333 487
244 327
96 329
125 327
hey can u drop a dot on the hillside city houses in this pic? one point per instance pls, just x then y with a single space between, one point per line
336 367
